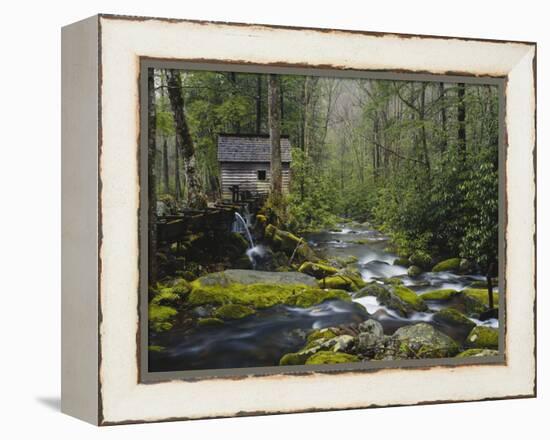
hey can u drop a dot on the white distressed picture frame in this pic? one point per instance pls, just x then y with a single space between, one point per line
101 194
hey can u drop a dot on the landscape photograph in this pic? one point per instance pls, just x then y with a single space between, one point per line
314 219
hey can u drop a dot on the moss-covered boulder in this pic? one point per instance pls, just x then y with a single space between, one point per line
292 245
317 270
414 271
344 280
331 357
421 259
455 323
439 295
298 358
483 337
401 261
453 318
481 296
261 295
233 311
206 322
396 297
477 352
240 276
473 302
372 289
324 333
410 298
422 341
450 265
347 260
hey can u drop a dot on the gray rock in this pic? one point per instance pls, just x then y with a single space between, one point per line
424 341
370 337
244 276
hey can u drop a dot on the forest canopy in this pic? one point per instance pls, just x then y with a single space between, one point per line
417 159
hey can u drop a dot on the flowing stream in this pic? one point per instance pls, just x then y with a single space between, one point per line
263 338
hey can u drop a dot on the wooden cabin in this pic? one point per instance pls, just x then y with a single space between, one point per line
245 162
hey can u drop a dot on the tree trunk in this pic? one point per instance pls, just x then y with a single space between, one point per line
461 116
165 178
422 117
275 137
151 177
179 194
443 117
195 195
258 104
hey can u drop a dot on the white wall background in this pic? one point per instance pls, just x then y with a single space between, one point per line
30 216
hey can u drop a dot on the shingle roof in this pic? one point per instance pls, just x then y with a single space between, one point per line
249 148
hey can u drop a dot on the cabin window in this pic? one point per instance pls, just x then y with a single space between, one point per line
261 175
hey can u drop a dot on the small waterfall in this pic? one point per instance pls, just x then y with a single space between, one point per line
239 218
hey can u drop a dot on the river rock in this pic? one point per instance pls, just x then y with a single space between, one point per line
477 352
370 336
399 298
452 317
421 341
317 270
413 271
295 247
243 276
450 265
483 337
329 357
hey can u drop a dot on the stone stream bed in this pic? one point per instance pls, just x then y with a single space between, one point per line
362 326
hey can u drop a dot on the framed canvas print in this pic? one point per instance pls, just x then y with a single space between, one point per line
262 219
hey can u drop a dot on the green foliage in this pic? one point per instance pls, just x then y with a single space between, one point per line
384 151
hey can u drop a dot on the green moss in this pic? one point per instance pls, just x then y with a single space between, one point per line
161 317
439 295
155 348
372 289
343 281
320 334
410 297
401 261
414 271
477 352
452 264
330 357
394 281
181 287
293 359
165 296
483 337
261 296
317 270
453 317
209 321
481 296
233 311
344 261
